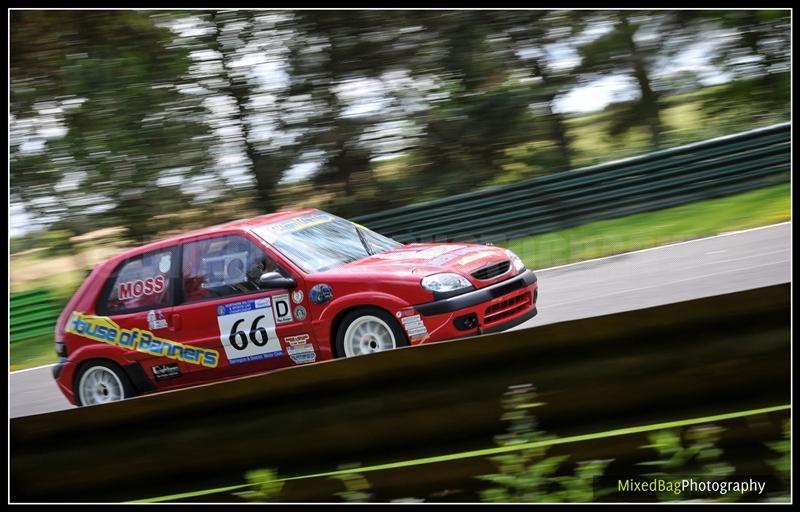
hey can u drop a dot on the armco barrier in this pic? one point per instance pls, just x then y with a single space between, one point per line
689 359
32 313
653 181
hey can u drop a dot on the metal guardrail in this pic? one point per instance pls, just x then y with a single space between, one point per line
696 358
703 170
32 313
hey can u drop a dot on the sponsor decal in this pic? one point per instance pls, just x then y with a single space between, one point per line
155 320
425 254
300 349
444 258
300 223
165 263
166 371
105 330
405 312
135 289
300 312
247 330
415 327
320 293
474 257
282 308
297 296
459 251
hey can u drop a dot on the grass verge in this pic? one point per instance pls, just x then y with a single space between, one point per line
696 220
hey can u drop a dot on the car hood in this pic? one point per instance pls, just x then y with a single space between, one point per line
420 260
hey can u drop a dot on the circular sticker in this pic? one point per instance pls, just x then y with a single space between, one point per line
320 294
300 313
297 296
165 263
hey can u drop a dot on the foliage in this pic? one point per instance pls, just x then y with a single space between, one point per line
100 135
356 486
264 486
782 465
698 456
528 475
126 118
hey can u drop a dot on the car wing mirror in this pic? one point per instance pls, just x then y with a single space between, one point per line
274 280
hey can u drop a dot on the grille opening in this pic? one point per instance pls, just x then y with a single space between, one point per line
492 270
507 308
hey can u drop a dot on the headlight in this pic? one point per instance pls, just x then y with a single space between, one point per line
515 261
445 282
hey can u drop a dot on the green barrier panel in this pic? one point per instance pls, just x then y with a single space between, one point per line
748 160
32 313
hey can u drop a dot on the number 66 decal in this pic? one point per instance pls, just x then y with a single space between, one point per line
247 330
258 341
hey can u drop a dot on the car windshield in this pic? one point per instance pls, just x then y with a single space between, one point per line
319 241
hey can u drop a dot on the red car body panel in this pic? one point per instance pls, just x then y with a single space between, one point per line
187 345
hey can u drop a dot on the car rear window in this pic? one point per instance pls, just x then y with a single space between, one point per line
142 282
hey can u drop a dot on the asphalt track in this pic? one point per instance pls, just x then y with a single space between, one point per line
672 273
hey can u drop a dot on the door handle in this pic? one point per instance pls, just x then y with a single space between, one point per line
176 323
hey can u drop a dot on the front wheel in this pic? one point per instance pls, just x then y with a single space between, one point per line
100 382
368 330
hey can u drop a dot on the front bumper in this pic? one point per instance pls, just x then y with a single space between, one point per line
491 309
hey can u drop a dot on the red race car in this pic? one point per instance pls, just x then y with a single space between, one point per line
275 291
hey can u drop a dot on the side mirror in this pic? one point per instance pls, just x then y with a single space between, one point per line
274 280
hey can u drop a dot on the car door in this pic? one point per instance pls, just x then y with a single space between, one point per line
224 308
138 298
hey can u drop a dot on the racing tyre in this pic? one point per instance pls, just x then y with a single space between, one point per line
368 330
100 382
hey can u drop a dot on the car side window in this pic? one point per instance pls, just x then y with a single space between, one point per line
142 282
223 266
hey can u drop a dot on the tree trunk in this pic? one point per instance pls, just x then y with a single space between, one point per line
557 128
265 174
649 97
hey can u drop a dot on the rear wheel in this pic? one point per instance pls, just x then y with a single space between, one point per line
100 382
368 330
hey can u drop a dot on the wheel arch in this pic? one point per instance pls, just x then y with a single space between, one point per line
337 322
136 378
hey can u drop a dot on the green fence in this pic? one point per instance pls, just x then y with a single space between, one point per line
703 170
33 313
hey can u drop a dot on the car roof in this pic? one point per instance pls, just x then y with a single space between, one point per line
240 224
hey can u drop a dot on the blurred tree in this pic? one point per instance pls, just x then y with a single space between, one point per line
333 51
531 36
478 111
755 48
634 44
236 36
100 134
126 117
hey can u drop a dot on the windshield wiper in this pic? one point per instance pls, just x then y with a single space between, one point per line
364 242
